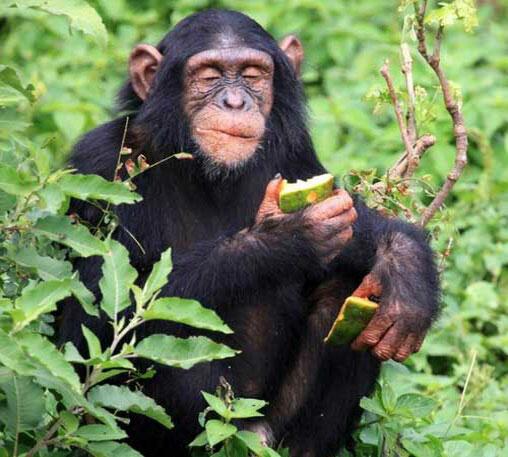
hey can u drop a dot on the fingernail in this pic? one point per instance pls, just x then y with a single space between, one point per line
277 176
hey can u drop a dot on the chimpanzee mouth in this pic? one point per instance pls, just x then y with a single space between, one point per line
230 133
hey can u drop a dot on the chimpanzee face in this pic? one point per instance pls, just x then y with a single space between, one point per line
228 98
227 95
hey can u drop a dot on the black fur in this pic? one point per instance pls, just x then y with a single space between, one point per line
259 281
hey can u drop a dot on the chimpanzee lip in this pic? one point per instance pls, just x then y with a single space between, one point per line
228 133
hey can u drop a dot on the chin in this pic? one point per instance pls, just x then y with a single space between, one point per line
222 161
227 164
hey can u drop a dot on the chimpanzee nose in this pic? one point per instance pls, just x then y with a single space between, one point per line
233 99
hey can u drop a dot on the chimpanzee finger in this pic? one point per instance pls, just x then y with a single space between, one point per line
370 286
406 348
270 203
330 207
374 331
391 342
340 192
418 343
336 244
342 221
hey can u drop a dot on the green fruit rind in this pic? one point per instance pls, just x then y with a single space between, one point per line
296 196
354 316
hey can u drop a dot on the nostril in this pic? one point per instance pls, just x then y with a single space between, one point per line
233 100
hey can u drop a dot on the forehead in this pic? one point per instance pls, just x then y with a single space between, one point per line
230 56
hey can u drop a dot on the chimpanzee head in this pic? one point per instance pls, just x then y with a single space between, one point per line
219 86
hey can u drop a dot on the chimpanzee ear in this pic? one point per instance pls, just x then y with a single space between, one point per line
143 64
293 48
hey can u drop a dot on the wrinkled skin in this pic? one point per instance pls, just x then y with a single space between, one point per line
228 98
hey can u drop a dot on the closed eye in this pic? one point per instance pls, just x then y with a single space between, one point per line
209 74
251 73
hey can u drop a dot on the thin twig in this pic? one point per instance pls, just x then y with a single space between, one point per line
399 170
420 10
43 442
460 408
453 108
385 72
407 70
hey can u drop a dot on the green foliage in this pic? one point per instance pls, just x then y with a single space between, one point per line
43 401
448 400
220 436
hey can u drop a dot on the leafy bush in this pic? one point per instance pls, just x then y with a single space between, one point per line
450 399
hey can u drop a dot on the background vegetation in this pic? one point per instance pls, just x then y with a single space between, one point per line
451 399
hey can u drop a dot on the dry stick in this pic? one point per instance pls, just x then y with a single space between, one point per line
385 72
399 169
453 108
412 131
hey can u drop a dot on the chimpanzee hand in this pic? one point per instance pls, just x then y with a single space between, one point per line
399 326
327 224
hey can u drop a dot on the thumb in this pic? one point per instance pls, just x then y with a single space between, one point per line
370 286
270 203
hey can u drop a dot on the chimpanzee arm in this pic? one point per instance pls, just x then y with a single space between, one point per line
231 266
278 249
399 263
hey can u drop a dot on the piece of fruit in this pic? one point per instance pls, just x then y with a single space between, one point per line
354 316
298 195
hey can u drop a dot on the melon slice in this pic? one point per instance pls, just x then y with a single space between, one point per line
354 316
298 195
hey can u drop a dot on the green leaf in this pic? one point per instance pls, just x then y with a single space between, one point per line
158 276
186 311
7 202
10 77
47 268
217 431
80 15
97 432
94 345
200 440
12 356
71 353
236 447
38 300
181 353
111 449
76 236
25 405
47 355
14 183
69 421
52 198
458 10
418 449
70 398
243 408
117 280
373 405
388 397
415 405
217 405
251 440
122 399
85 187
84 297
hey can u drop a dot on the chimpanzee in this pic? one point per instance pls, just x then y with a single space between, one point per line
219 87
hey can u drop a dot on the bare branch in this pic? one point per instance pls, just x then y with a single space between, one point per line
385 72
407 70
453 108
399 170
436 54
420 10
